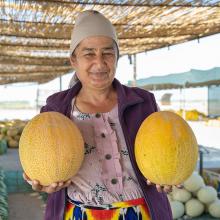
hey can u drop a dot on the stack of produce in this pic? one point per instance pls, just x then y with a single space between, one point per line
194 199
11 131
3 197
192 115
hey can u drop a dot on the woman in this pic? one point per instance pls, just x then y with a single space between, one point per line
108 185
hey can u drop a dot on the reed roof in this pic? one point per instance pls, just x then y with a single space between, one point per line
35 35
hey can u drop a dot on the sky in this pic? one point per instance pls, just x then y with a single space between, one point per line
175 59
178 58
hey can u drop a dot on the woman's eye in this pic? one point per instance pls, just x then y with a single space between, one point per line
89 54
109 53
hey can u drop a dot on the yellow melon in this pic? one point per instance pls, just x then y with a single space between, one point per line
51 148
166 149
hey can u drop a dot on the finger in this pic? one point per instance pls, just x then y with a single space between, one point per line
167 189
51 188
180 186
67 183
159 188
36 185
25 176
27 179
149 182
53 185
63 185
60 184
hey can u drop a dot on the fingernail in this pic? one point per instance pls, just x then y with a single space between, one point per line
54 185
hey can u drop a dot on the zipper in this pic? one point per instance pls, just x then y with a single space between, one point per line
152 216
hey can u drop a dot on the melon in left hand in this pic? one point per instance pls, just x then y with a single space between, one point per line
166 149
51 148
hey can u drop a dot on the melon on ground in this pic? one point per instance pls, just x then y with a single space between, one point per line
51 148
166 149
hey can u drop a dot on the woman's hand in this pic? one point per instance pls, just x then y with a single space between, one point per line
54 187
165 188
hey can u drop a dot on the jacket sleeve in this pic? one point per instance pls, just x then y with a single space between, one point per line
158 108
46 108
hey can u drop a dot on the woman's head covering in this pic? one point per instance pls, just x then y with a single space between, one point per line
74 79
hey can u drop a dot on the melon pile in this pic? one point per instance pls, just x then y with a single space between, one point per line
192 115
51 148
11 130
166 149
194 199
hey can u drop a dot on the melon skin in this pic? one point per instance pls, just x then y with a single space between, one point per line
51 148
177 209
194 207
194 183
214 209
166 149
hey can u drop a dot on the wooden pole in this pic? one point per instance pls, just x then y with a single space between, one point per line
134 71
184 101
60 82
37 98
201 163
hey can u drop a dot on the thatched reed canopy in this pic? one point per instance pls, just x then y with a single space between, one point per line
35 35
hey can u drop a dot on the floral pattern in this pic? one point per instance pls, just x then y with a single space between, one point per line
106 159
89 149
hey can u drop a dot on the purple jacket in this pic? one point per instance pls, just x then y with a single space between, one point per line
134 105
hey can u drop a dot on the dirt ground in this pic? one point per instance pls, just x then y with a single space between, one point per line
22 206
25 206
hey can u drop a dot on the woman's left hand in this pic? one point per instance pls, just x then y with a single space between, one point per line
164 188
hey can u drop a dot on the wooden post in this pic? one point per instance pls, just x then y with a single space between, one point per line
37 98
134 71
184 101
60 82
201 163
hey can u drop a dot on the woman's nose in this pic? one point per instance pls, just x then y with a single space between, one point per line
100 61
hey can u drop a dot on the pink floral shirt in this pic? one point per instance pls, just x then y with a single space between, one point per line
106 175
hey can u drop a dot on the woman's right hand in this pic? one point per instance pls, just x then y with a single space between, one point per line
54 187
164 188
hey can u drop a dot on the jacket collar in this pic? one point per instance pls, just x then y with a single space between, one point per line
126 95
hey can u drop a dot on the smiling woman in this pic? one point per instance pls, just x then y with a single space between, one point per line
94 61
109 184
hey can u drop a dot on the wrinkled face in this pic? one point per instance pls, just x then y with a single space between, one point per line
95 61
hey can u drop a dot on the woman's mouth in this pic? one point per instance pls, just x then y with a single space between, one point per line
98 75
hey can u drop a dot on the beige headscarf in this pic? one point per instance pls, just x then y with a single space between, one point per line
90 23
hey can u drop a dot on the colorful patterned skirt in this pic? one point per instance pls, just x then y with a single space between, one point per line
130 210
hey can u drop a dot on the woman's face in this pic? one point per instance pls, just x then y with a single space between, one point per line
95 61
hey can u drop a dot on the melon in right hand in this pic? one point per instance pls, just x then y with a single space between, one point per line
51 148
